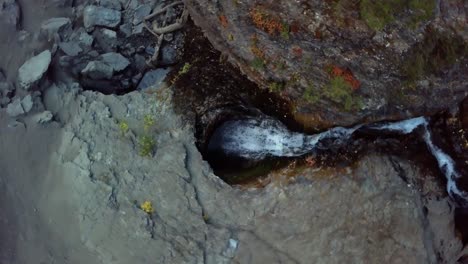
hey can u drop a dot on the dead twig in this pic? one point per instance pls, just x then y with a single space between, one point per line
162 10
180 22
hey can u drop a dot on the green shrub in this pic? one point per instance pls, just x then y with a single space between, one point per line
123 126
146 144
148 122
340 92
275 87
310 94
258 63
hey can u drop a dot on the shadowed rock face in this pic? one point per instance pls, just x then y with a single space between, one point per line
343 62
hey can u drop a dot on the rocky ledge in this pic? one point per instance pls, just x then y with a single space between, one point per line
345 62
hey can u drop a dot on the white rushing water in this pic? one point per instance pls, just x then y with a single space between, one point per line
257 139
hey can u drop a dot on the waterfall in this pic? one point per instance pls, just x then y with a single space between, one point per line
257 139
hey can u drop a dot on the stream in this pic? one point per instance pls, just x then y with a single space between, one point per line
255 139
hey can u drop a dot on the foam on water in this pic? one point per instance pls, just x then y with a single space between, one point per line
256 139
405 126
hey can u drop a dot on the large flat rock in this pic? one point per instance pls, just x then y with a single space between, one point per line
33 69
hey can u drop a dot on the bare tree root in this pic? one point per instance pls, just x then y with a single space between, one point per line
160 31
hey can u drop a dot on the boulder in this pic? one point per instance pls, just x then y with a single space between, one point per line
44 117
153 78
345 62
140 13
55 25
27 103
98 70
70 48
100 16
115 60
113 4
106 39
33 69
15 108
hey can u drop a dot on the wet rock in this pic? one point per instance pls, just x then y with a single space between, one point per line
33 69
98 70
10 12
106 39
115 60
153 78
57 25
140 13
15 108
113 4
100 16
70 48
44 117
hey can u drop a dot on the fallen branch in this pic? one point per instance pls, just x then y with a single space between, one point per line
162 10
160 31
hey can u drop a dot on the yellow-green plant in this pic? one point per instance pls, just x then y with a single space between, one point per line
123 126
146 144
148 122
275 87
184 70
147 207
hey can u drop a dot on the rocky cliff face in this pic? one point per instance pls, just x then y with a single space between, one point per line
93 181
342 61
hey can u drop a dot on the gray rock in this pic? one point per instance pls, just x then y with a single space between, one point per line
82 37
10 12
115 60
140 13
55 25
27 103
33 69
98 70
138 29
15 108
113 4
70 48
126 29
140 62
100 16
106 39
136 79
153 78
44 117
169 55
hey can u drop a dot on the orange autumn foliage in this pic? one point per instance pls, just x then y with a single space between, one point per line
347 75
223 20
